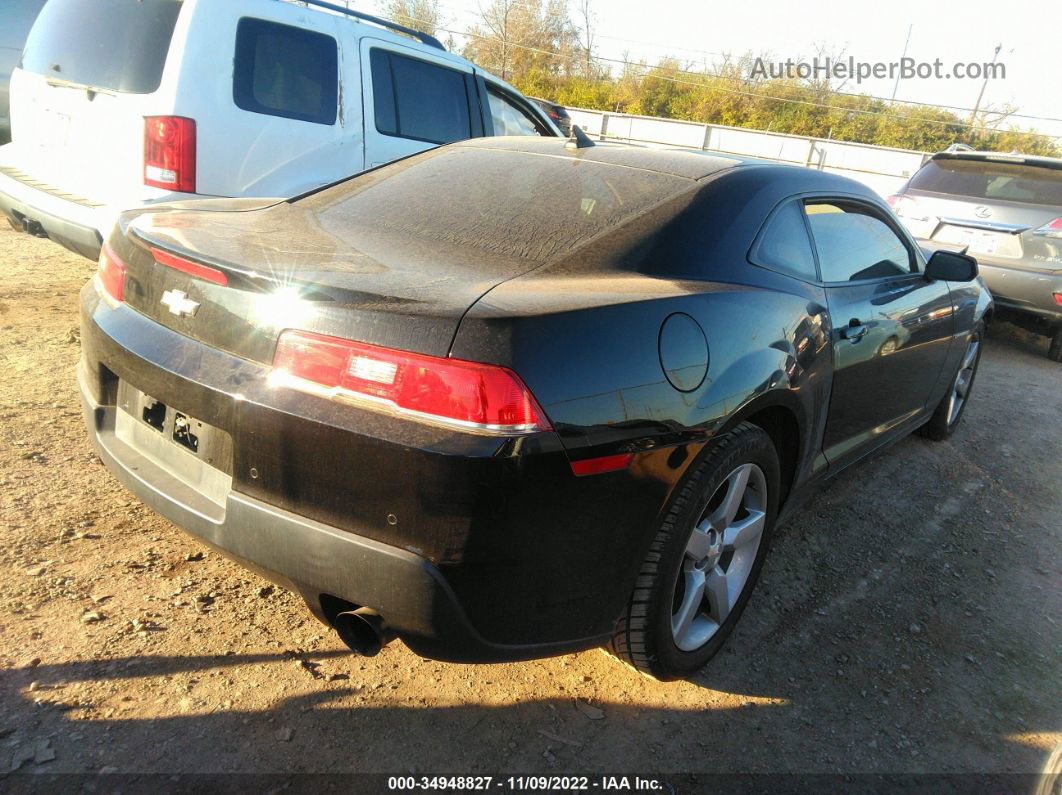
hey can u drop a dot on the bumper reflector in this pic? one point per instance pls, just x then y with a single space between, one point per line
608 463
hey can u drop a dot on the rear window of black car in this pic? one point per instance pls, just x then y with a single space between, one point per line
419 100
116 45
286 71
509 204
988 179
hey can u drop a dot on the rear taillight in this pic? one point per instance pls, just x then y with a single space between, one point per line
1058 298
894 199
1051 229
169 153
469 395
112 273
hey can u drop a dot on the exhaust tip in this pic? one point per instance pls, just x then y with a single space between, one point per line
363 630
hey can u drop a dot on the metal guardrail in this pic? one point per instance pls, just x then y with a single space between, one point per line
882 168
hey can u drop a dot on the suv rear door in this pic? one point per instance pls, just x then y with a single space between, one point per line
79 98
414 100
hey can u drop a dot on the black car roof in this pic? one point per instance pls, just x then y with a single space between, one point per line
693 164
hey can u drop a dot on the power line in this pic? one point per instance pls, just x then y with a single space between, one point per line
754 94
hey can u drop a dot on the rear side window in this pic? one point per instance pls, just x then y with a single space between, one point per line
509 119
115 45
785 246
854 244
419 100
986 179
286 71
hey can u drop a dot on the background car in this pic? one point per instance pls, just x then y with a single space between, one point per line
1006 209
224 98
558 114
16 19
508 405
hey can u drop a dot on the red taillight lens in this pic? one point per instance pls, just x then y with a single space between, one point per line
204 272
169 153
476 396
1051 229
1058 298
112 273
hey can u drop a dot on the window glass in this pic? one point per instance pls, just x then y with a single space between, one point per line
785 245
419 100
507 205
508 118
118 45
854 244
987 179
286 71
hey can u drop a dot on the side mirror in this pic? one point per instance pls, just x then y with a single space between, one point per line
951 266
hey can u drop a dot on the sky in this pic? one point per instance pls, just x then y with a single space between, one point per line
695 30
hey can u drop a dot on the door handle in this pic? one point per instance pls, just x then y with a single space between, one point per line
854 331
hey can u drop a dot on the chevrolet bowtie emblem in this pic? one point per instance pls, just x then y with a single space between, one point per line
179 303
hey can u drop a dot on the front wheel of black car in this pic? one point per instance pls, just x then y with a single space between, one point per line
704 560
952 406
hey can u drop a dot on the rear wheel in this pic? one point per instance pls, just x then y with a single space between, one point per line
704 560
952 406
1054 353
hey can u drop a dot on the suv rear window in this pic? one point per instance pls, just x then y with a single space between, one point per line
286 71
988 179
419 100
116 45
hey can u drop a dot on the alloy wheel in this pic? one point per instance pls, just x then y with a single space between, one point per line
719 557
963 379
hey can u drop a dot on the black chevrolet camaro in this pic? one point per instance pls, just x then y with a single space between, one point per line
511 397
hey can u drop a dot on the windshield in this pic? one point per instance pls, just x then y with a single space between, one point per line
116 45
987 179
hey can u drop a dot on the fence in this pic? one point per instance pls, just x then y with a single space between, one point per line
879 167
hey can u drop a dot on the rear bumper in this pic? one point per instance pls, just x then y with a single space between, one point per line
312 558
70 224
1025 291
472 548
74 222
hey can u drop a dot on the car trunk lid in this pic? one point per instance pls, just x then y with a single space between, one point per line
359 282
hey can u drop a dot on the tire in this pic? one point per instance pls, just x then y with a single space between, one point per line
652 635
1054 353
952 406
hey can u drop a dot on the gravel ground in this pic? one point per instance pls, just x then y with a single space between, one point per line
908 620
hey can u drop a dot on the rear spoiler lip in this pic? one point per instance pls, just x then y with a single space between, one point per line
1002 157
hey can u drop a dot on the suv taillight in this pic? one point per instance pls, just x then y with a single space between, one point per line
169 153
467 395
112 273
1050 229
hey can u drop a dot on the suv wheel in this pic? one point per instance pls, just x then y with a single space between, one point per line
704 560
1054 353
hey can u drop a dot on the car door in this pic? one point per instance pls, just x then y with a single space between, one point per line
891 326
414 100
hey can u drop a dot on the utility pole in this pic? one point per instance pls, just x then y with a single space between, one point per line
896 85
984 85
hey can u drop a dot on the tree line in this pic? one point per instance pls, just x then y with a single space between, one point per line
547 48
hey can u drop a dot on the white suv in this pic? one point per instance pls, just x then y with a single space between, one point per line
121 103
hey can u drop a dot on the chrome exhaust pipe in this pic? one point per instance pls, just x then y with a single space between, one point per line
363 630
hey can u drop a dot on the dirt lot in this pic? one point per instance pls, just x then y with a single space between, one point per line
907 620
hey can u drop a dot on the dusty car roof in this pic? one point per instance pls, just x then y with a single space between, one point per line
689 163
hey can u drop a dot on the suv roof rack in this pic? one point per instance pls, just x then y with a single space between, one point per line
431 41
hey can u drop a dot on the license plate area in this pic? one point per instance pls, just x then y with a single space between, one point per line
188 449
210 445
